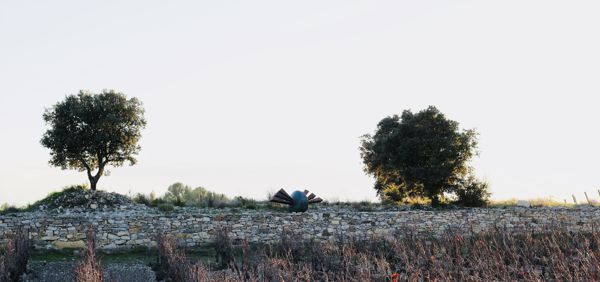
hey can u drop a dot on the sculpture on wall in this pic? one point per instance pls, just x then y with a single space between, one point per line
298 200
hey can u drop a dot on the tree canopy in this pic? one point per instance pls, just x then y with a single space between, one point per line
89 131
420 154
180 194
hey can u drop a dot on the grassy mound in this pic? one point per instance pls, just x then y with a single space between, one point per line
79 196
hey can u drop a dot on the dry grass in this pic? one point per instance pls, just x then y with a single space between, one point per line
14 257
89 268
173 265
544 202
555 255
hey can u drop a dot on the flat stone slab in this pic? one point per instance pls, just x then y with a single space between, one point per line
62 271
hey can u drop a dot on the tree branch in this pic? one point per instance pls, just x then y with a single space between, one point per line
87 167
101 164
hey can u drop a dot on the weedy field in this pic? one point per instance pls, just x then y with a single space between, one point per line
554 255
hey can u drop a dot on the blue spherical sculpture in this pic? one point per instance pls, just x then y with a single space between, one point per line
300 202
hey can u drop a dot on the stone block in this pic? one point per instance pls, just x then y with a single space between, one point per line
80 244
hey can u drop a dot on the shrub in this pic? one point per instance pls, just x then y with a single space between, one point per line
149 200
363 206
140 198
179 194
171 261
201 197
223 248
166 207
89 268
6 208
472 193
200 272
173 265
175 193
158 201
245 203
13 260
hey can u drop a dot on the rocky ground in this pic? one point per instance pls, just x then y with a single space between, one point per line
62 271
79 197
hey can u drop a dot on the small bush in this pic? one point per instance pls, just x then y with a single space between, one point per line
149 200
140 198
171 262
363 206
245 203
201 197
173 265
6 208
223 248
158 201
472 193
179 194
166 207
89 268
13 260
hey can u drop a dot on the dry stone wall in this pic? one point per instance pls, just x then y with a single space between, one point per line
132 227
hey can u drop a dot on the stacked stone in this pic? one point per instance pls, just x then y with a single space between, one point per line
134 226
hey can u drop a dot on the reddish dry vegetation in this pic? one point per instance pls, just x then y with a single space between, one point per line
89 268
14 256
556 255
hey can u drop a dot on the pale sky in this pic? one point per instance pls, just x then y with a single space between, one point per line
246 97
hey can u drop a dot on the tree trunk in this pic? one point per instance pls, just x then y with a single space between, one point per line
94 179
433 193
435 201
93 182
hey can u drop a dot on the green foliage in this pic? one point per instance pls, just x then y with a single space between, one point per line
179 194
157 201
140 198
166 207
418 155
245 203
200 197
148 200
90 131
183 195
472 193
175 193
6 208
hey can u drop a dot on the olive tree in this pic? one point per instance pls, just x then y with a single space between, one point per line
176 193
420 154
89 131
